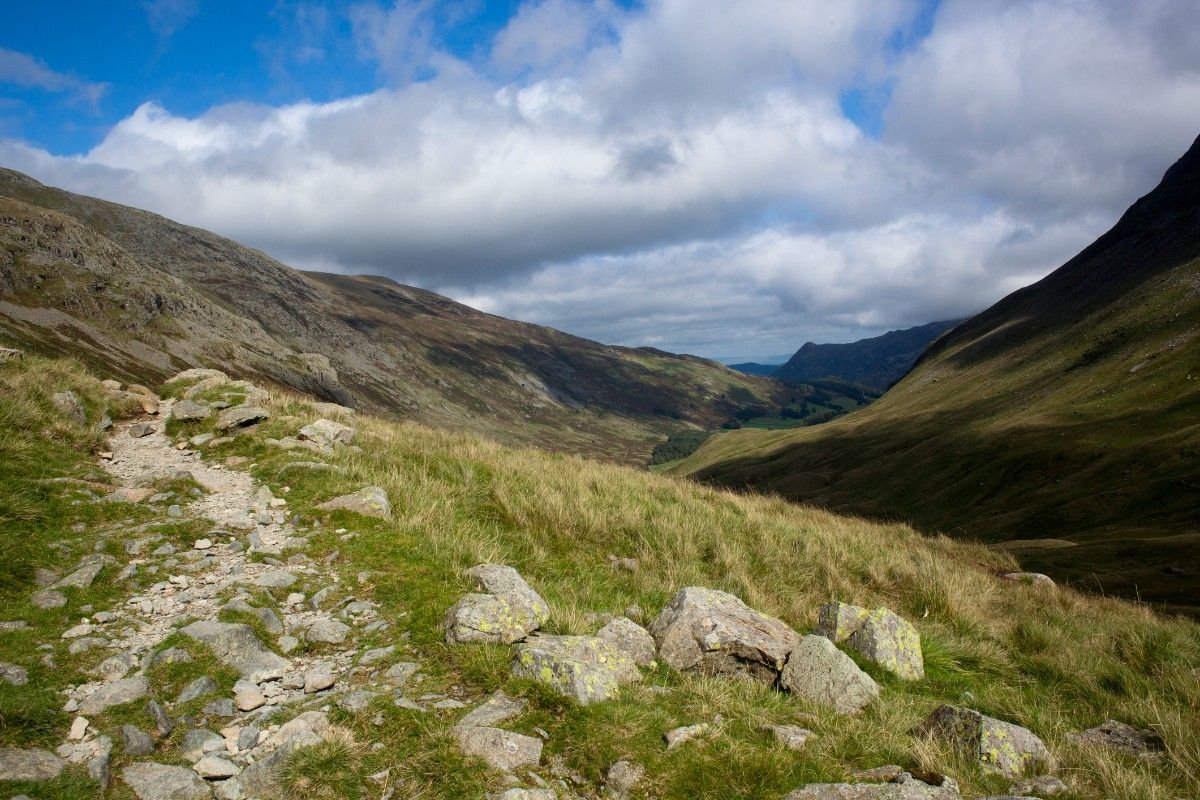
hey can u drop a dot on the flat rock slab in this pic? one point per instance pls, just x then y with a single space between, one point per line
501 749
236 646
191 411
584 668
1121 737
716 633
29 765
496 709
241 416
81 578
1009 749
117 693
910 789
818 672
370 501
150 781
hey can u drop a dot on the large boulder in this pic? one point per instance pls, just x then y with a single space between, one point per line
584 668
509 612
29 765
716 633
236 646
150 781
370 501
1009 749
881 636
626 636
506 582
818 672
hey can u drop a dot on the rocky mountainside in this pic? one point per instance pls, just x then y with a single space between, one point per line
877 362
144 297
1062 424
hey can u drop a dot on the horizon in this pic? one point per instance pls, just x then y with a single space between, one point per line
664 174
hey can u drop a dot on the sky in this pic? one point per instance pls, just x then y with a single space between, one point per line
730 178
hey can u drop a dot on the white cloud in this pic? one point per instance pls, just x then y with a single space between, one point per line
22 69
167 17
684 175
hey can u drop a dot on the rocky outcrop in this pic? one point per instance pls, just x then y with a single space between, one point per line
716 633
1007 748
328 433
818 672
240 417
584 668
190 411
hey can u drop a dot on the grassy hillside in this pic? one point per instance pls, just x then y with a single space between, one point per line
1054 660
1063 424
144 297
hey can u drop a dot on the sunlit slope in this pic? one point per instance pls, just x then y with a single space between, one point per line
1063 422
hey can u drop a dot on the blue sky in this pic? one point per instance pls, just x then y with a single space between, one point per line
725 177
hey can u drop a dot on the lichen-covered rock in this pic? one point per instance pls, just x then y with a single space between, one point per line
792 737
327 432
631 639
504 581
584 668
29 765
236 646
488 618
716 633
622 777
891 642
1009 749
818 672
1120 736
501 749
839 621
190 411
370 501
241 417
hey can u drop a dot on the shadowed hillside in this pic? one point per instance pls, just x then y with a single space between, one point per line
877 362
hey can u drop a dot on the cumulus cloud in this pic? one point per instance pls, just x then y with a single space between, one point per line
684 175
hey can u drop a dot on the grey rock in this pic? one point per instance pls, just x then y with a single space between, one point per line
140 430
116 666
838 621
633 640
327 631
622 778
48 598
241 417
70 406
248 738
215 768
274 579
259 777
509 612
906 788
818 672
1041 786
500 749
191 411
196 689
1030 578
171 655
198 743
519 793
222 707
496 709
116 693
1119 736
81 578
319 677
370 501
135 742
584 668
13 673
717 634
880 636
677 736
99 766
29 765
236 646
401 673
265 616
163 724
1002 746
150 781
377 654
327 432
791 737
357 701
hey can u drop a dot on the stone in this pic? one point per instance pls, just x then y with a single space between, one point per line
839 621
496 709
1030 578
401 673
818 672
626 636
222 707
891 642
70 406
501 749
319 677
163 724
236 646
258 779
249 699
199 742
377 654
29 765
116 693
678 736
202 544
717 634
370 501
99 766
8 354
81 578
196 689
241 417
488 618
519 793
274 579
135 742
791 737
266 617
139 430
906 788
622 777
1002 746
584 668
1121 737
247 738
48 598
13 673
623 564
116 666
190 411
150 781
78 730
197 374
215 768
357 701
328 432
327 631
171 655
1041 786
229 790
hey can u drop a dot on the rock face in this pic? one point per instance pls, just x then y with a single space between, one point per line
240 417
29 765
820 673
190 411
626 636
584 668
1009 749
501 749
236 646
716 633
880 635
370 501
116 693
1119 736
508 613
151 781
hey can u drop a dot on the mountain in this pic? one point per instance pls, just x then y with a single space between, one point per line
877 362
1062 424
752 368
144 297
